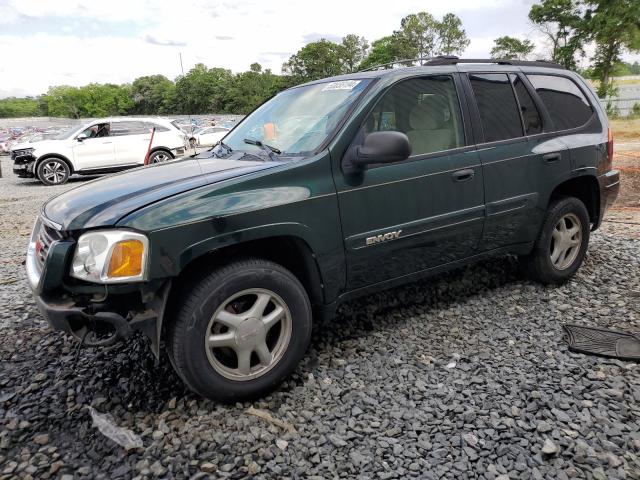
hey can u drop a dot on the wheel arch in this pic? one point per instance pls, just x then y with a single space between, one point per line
59 156
163 149
586 189
290 251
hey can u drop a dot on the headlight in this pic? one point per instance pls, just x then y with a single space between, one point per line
110 256
23 152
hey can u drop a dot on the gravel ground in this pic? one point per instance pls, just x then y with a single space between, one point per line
463 376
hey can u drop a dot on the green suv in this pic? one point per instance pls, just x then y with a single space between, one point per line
328 191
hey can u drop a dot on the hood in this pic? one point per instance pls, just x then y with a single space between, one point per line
40 145
103 202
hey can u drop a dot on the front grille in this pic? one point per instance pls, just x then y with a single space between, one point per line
46 236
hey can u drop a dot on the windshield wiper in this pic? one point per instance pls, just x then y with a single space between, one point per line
263 146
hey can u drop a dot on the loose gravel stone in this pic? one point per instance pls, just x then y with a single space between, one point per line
371 399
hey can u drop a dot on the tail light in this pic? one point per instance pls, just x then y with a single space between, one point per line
610 148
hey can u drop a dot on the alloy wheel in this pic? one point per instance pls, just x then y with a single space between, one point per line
566 240
160 157
54 172
248 334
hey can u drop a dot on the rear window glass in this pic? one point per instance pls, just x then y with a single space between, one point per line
567 105
158 127
119 129
497 105
530 115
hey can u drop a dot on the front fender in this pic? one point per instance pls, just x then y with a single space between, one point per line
295 200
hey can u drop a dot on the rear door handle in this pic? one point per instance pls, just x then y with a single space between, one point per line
552 157
463 175
106 143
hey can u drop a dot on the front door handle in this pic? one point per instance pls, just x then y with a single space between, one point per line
463 175
106 143
552 157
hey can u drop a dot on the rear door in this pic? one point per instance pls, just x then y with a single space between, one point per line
519 162
406 217
131 141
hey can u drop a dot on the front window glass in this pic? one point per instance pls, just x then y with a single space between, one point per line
97 131
425 109
298 120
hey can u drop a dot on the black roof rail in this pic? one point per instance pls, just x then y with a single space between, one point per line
453 60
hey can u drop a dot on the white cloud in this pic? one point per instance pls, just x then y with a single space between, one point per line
119 40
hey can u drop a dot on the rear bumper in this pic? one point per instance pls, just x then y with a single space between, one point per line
609 190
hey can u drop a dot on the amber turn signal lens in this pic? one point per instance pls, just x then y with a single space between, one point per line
126 259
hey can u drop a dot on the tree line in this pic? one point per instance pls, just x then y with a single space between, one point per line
611 26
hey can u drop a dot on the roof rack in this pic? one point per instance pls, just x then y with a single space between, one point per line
453 60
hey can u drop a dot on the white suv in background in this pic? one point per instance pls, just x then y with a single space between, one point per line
101 146
208 136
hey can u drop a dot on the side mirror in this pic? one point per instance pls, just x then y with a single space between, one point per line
81 137
378 147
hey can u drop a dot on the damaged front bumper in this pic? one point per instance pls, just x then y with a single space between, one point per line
23 164
97 315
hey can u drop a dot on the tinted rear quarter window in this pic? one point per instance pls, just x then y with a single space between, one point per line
497 106
567 105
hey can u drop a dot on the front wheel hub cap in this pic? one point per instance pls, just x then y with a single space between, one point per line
248 334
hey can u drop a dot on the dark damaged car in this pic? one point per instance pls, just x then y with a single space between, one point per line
328 191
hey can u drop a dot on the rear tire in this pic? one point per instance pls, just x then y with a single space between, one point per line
240 331
562 243
53 171
160 156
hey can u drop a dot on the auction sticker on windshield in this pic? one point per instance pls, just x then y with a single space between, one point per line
341 85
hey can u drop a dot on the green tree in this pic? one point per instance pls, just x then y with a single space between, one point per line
93 100
562 22
417 36
20 107
249 89
64 101
511 47
422 35
354 50
201 90
313 61
105 100
614 25
152 94
452 38
384 50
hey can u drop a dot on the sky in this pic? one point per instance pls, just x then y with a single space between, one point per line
68 42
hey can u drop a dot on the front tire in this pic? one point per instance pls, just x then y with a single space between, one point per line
562 243
53 171
241 331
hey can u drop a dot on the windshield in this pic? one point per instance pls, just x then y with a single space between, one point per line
66 133
297 120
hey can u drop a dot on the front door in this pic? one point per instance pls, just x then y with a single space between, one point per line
94 148
406 217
